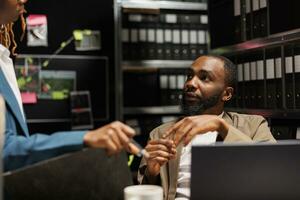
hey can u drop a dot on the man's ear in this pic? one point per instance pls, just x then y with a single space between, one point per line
227 94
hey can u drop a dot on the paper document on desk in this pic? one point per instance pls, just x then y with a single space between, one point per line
205 139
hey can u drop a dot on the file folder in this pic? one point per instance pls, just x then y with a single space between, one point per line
289 82
249 34
260 84
263 18
271 83
297 80
167 26
256 18
240 86
279 86
237 21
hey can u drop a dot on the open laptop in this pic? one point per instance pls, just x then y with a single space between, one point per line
89 174
257 172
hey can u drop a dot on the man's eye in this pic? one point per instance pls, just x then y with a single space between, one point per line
204 78
190 76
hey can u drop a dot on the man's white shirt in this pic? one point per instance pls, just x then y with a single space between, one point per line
184 174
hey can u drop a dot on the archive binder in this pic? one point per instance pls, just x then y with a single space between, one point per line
185 20
256 18
263 10
240 86
271 83
249 34
289 81
279 86
167 21
253 78
171 85
160 42
237 21
260 100
297 80
151 23
176 38
247 84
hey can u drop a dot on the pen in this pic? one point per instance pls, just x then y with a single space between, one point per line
137 149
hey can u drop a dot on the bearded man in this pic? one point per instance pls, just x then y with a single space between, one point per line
210 83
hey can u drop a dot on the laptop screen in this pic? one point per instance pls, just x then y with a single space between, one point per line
260 171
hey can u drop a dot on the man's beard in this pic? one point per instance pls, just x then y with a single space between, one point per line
199 106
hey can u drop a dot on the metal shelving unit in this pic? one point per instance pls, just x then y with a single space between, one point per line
157 63
148 4
269 113
272 40
157 110
152 6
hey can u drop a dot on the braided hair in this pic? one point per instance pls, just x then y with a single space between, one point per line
7 37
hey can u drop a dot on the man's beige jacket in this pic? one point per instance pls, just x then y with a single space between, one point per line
243 128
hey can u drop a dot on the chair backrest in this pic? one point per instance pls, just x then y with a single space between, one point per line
2 130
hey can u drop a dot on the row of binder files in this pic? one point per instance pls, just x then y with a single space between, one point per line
268 84
256 18
235 21
161 87
262 84
164 36
196 1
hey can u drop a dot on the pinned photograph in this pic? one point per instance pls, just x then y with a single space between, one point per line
37 30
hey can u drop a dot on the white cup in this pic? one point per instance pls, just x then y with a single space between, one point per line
143 192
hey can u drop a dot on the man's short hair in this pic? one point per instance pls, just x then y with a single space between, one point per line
230 70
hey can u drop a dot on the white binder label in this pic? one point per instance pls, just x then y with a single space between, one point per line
260 70
253 71
135 18
263 3
125 35
180 81
151 35
247 71
240 72
171 18
201 37
297 63
172 82
289 65
159 36
168 35
176 36
248 6
255 5
270 68
184 36
193 37
237 7
163 82
134 35
204 19
278 67
142 35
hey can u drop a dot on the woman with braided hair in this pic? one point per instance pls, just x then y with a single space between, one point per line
22 148
6 29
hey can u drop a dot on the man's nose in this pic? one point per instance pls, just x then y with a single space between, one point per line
191 84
